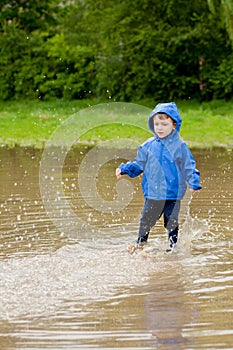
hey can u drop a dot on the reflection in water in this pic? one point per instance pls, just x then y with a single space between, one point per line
61 292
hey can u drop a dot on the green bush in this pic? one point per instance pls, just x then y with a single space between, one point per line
221 81
70 69
120 50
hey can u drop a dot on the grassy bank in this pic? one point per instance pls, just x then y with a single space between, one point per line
32 123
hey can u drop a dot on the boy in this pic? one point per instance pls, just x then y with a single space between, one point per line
167 166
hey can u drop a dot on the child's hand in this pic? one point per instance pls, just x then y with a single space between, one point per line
118 173
191 190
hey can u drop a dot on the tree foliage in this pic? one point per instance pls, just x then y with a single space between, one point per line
224 9
122 50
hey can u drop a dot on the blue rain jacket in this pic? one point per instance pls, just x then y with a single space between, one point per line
167 164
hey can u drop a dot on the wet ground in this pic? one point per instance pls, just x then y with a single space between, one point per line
71 287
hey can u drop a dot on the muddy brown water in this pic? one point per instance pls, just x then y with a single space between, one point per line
86 290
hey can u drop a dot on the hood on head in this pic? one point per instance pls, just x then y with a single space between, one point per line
168 108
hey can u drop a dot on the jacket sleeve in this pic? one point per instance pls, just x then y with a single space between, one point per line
192 175
136 167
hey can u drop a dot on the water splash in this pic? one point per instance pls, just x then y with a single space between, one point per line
192 227
41 285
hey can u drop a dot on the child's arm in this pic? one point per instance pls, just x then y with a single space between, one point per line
192 175
133 168
130 168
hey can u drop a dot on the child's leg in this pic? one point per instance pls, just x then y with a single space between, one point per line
151 212
171 217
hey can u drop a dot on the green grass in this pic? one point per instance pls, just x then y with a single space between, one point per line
32 123
207 123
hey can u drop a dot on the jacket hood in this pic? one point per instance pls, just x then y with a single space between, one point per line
168 108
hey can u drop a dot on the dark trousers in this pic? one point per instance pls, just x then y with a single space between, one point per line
151 213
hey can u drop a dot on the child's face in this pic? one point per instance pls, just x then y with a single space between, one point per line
163 125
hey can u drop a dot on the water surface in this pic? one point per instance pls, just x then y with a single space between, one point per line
61 291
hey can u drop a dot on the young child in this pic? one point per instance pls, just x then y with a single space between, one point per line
167 166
